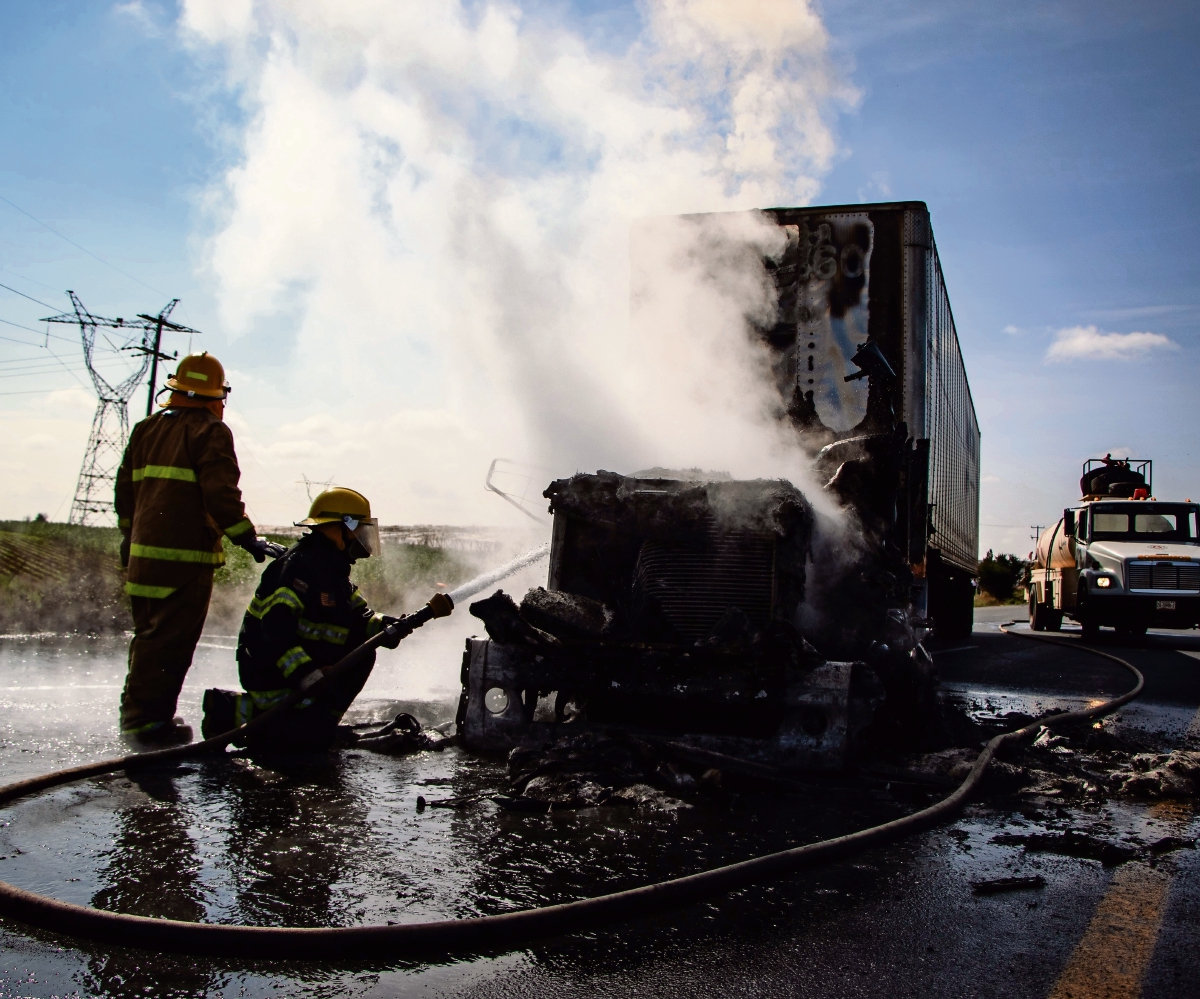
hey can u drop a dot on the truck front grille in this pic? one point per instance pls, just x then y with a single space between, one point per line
696 583
1160 576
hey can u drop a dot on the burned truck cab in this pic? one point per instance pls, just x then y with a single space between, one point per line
670 612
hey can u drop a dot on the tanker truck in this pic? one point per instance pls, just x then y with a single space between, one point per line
1119 558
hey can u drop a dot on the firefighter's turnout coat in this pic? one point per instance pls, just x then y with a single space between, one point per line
305 614
177 492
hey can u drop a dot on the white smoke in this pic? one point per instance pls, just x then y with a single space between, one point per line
426 228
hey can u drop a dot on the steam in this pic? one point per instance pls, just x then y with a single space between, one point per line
426 233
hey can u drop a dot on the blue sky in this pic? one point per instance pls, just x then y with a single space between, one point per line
1056 146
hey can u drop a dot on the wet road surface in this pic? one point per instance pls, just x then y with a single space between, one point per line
339 841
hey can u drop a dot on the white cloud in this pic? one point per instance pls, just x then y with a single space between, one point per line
440 193
1077 343
1012 330
137 12
878 188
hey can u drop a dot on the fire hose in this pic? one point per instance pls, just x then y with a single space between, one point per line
479 933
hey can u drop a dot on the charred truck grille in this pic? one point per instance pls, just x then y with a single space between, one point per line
1160 576
695 583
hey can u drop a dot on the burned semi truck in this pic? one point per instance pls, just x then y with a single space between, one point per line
675 601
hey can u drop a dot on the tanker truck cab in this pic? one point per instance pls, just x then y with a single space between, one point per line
1126 562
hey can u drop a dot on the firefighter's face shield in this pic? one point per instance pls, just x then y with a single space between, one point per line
365 531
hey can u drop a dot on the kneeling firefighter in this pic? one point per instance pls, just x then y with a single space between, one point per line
306 615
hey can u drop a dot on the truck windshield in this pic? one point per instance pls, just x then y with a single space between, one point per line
1142 522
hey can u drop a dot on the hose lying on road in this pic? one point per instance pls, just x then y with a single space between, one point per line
451 936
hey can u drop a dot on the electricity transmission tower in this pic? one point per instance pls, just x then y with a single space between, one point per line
93 502
309 483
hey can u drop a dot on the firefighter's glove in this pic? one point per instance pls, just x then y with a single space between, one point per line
125 552
395 629
260 548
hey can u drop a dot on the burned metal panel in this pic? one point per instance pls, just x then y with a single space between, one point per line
816 732
839 290
917 247
812 731
911 322
672 557
824 295
492 666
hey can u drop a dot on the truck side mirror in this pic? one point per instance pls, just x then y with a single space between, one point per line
1069 523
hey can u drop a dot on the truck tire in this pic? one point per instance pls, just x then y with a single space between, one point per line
1091 629
1054 620
1037 615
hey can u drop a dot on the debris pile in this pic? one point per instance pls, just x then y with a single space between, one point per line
1089 765
402 735
593 768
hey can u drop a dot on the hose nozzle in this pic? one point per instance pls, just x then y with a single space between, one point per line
440 605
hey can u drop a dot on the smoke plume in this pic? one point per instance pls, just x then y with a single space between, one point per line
422 243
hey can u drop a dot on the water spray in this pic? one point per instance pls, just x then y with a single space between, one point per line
470 588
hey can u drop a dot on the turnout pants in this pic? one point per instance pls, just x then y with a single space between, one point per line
165 633
309 726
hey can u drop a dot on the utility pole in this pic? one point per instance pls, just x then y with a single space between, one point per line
160 321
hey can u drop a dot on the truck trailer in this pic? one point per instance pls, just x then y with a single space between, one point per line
865 346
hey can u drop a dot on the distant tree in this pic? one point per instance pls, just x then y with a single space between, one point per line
999 574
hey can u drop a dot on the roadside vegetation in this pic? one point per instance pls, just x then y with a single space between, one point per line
64 578
999 578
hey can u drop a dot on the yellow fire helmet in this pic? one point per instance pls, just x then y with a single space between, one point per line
349 507
200 374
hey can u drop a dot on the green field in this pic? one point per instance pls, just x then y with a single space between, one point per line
65 578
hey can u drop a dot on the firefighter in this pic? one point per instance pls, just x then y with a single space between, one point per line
177 493
306 614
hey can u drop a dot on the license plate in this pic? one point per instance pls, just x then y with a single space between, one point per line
1164 605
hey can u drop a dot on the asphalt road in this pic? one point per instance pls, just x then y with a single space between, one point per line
900 921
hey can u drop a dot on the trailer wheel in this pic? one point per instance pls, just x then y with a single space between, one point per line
1054 620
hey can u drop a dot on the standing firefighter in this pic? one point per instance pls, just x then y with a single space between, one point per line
305 615
177 492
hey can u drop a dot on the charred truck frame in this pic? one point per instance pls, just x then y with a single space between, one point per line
673 603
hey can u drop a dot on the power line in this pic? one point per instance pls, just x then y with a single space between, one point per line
36 391
30 297
78 247
21 360
26 277
47 369
9 322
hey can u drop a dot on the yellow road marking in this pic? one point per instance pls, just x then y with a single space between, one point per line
1112 957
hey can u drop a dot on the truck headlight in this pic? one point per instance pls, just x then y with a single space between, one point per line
1104 582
